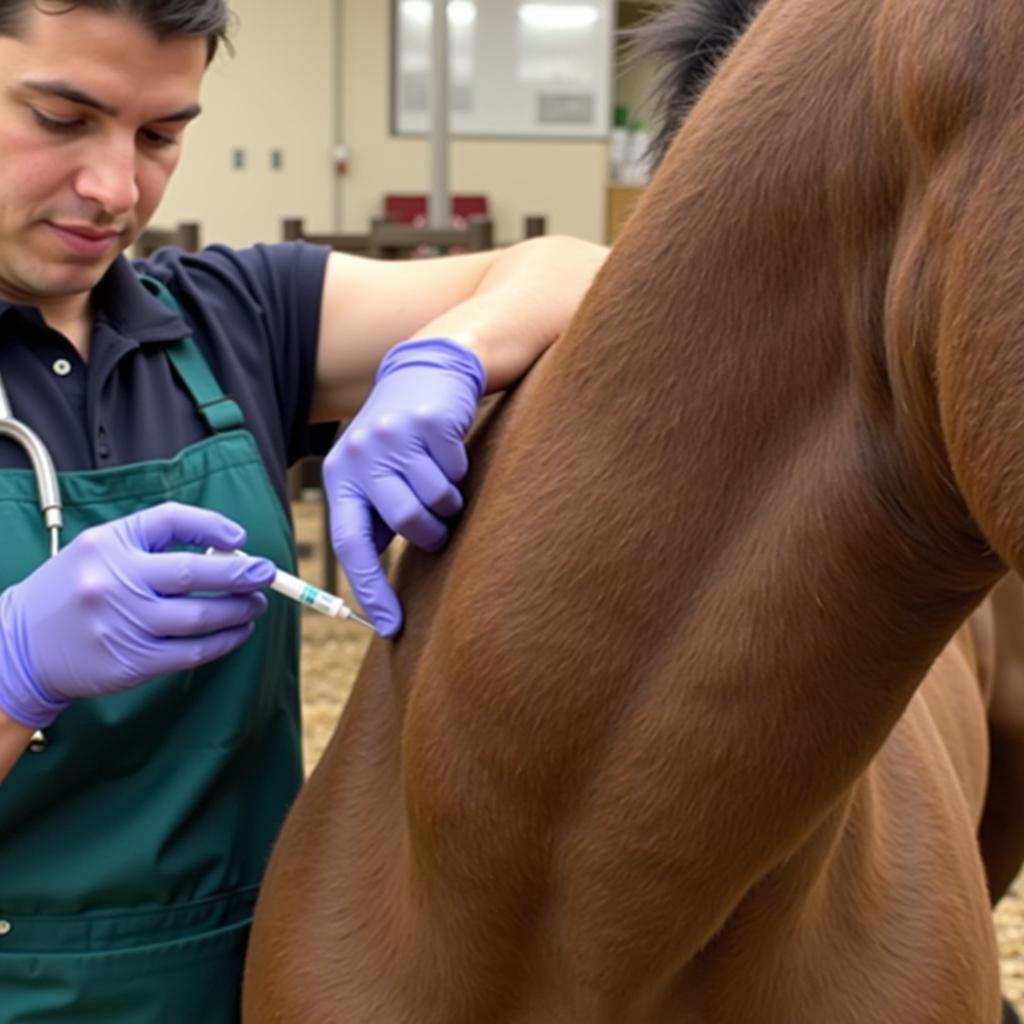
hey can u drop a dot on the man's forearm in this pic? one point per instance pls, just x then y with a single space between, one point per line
506 305
14 738
523 302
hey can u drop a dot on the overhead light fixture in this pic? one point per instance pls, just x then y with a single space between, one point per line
461 13
559 16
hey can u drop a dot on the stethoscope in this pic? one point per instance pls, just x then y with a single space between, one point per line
42 465
47 485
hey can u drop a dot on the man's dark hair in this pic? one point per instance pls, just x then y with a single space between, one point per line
165 19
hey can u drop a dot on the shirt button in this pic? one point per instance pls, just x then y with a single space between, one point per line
5 927
39 742
61 367
104 451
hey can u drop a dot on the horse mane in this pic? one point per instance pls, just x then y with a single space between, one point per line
691 37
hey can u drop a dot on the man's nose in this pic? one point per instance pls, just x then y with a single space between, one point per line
108 178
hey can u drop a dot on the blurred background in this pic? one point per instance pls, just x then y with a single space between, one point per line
323 116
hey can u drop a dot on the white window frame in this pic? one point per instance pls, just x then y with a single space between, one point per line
518 68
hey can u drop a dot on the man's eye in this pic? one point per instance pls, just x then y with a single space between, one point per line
156 139
53 125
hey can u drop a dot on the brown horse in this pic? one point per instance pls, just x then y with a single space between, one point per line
687 726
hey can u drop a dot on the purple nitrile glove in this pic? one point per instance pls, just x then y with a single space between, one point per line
395 469
115 608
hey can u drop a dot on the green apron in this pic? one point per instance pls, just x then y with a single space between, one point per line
133 840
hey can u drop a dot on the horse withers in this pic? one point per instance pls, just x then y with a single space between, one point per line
688 724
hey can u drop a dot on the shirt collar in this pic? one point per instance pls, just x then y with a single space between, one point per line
121 300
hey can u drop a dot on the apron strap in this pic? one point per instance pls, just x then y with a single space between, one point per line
220 412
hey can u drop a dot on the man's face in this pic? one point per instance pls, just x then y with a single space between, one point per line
92 109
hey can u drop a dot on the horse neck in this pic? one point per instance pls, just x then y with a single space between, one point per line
716 548
732 454
757 359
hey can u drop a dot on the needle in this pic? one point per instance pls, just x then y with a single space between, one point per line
305 593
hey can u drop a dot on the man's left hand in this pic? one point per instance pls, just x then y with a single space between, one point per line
396 468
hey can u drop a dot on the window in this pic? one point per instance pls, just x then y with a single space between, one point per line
520 68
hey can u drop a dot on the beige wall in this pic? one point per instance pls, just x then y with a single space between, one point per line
278 91
275 92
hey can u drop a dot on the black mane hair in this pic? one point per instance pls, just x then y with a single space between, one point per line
691 36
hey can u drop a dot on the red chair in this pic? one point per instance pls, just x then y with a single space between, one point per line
411 208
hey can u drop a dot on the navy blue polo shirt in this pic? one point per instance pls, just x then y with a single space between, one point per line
255 314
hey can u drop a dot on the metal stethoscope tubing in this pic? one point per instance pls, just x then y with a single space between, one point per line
47 485
42 465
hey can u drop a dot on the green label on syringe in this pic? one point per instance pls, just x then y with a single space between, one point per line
319 600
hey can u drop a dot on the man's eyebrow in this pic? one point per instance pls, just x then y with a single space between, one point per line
67 91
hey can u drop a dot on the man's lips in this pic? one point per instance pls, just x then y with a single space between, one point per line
86 240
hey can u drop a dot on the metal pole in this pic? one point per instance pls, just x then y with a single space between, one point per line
439 194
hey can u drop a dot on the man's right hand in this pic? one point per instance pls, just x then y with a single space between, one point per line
115 608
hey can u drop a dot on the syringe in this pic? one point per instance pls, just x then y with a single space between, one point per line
305 593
